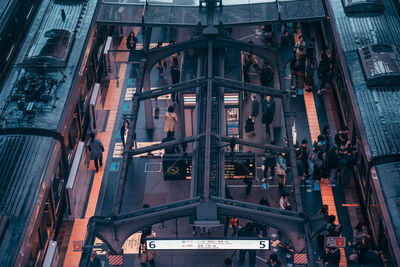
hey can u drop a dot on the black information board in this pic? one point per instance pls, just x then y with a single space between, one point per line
238 166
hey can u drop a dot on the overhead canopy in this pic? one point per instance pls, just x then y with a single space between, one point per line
188 13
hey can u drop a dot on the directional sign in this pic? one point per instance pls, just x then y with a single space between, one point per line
164 244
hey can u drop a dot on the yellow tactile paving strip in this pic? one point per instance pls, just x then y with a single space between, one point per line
72 258
326 191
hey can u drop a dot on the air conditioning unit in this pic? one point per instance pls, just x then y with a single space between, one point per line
361 6
381 64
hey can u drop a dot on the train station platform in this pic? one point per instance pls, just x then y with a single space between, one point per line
145 183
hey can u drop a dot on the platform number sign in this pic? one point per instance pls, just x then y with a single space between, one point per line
77 245
165 244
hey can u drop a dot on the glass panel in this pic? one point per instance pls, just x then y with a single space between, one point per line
174 2
249 13
301 9
174 15
242 2
120 13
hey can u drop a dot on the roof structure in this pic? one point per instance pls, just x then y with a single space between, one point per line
189 13
44 104
20 180
389 180
378 106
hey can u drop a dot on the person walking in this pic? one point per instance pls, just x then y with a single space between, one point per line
268 107
162 64
171 120
96 149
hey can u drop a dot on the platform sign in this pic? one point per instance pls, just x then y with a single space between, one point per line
77 245
339 242
188 244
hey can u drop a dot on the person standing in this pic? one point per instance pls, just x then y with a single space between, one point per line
284 201
274 261
255 109
268 107
94 261
96 149
332 165
131 41
124 132
269 164
247 231
170 150
171 120
174 62
266 75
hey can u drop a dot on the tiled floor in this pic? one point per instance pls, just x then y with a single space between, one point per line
80 225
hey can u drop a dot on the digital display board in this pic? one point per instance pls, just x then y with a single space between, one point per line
238 166
183 244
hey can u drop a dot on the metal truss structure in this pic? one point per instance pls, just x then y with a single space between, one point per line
207 203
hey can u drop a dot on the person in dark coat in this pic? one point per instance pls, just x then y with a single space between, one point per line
266 75
333 164
124 132
247 231
131 41
94 261
332 257
274 261
255 106
96 149
305 154
268 107
269 164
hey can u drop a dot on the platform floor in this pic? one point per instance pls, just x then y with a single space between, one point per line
145 183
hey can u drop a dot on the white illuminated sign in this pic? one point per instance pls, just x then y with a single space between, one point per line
163 244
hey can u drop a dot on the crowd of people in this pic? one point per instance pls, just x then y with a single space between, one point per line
329 158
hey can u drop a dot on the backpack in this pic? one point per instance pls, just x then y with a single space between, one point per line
249 125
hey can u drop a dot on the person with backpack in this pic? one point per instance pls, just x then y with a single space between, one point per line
96 149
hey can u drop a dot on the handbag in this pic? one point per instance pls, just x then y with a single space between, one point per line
249 126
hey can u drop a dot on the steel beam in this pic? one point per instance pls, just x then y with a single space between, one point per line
251 144
207 158
159 146
169 89
116 229
248 87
